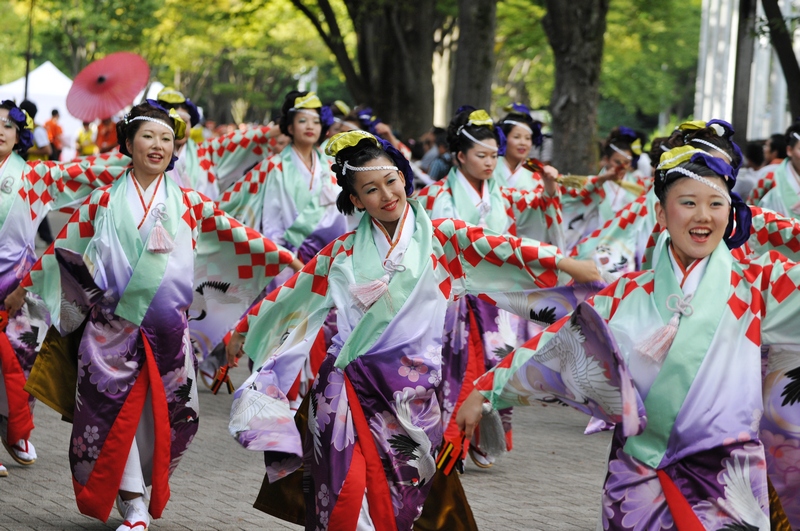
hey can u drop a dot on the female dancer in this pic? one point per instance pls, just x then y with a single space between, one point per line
718 420
471 194
120 277
28 191
522 133
375 412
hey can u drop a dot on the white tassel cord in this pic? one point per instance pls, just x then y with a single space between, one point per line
159 241
491 435
656 347
368 294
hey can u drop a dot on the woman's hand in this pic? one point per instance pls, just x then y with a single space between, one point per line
550 178
14 301
582 271
470 413
385 131
233 349
296 265
615 173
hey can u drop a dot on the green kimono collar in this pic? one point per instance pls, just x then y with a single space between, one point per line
148 268
688 350
497 220
787 194
310 213
368 266
14 167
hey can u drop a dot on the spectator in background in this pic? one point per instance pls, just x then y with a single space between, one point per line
208 129
441 165
106 135
85 142
431 150
54 133
775 149
753 162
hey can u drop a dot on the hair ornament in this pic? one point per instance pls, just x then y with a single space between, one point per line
309 101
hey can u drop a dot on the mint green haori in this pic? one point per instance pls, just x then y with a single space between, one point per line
688 350
310 211
497 220
368 266
148 268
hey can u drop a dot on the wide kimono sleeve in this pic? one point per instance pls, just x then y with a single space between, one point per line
57 185
771 231
764 185
591 193
226 158
280 332
534 214
482 261
244 200
68 305
233 265
575 361
619 246
112 158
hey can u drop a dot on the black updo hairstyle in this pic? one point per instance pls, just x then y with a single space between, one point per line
707 135
793 129
287 115
623 138
459 143
658 146
24 136
535 125
358 155
127 127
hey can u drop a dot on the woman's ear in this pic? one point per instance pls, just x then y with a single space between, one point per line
460 158
661 215
357 202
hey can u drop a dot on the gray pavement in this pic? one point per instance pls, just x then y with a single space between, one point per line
551 481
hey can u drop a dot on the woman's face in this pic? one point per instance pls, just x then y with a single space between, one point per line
479 162
793 152
151 148
518 143
8 134
619 160
696 217
305 128
381 193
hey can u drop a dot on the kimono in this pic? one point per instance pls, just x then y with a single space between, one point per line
784 195
488 332
379 403
128 306
282 199
765 181
625 243
520 179
28 191
210 166
695 435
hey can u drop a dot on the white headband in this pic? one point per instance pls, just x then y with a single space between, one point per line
462 131
154 120
9 121
346 167
664 148
520 124
618 150
701 179
712 146
795 135
305 111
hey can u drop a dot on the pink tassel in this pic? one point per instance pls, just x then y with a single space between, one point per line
657 345
368 294
159 241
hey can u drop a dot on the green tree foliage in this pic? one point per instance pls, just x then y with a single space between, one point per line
649 59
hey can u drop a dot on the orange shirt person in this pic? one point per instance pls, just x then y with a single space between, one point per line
106 135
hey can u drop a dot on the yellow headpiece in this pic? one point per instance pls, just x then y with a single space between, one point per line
480 118
674 157
340 141
309 101
170 95
180 125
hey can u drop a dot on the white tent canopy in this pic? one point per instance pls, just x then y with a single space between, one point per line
47 88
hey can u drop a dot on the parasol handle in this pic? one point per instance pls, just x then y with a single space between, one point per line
579 181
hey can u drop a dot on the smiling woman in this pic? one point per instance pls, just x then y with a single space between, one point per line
120 278
700 416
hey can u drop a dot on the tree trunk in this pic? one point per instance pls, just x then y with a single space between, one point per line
575 31
781 41
744 63
474 64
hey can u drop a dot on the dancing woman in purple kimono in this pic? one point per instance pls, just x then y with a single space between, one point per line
672 357
375 416
28 191
122 269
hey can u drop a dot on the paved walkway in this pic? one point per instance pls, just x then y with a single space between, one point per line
551 481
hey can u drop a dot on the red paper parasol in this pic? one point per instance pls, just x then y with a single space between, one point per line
107 86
